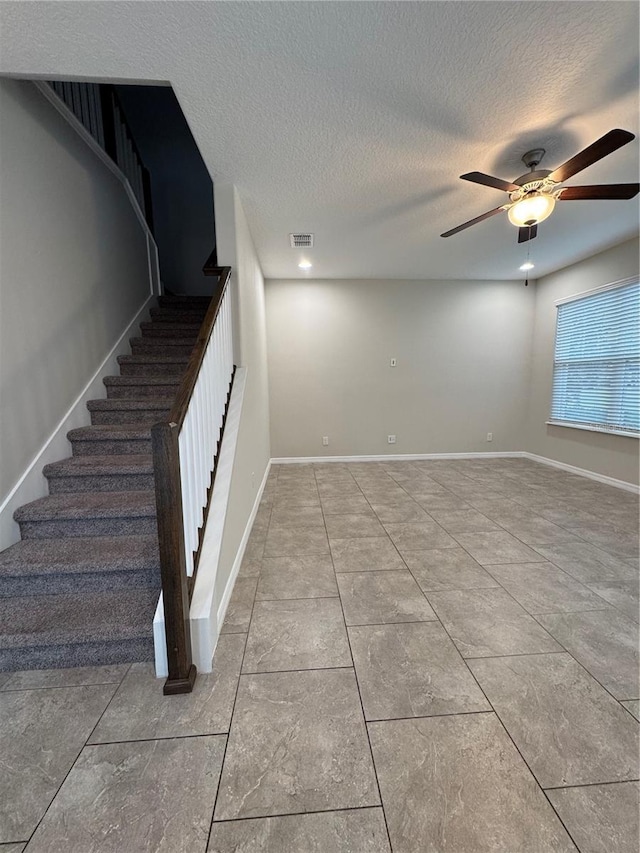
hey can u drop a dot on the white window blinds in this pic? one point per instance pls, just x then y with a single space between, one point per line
596 376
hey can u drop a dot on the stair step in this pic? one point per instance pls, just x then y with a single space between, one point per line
78 565
108 473
38 632
153 365
107 439
136 387
88 514
160 346
180 302
128 411
163 315
170 330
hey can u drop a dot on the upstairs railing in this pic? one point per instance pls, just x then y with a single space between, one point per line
185 454
98 108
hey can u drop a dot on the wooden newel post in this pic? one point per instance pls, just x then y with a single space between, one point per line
166 460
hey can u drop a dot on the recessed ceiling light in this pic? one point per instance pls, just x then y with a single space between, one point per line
527 266
305 265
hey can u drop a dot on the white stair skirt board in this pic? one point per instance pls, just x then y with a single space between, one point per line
205 618
33 484
507 454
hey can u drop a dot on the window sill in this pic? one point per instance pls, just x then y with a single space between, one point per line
588 428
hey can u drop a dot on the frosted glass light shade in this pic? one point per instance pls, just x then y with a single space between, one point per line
532 209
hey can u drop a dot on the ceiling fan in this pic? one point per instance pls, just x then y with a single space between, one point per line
533 196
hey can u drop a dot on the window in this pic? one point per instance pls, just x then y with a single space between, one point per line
596 370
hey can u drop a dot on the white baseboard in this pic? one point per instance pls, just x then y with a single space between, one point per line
507 454
583 472
33 484
393 457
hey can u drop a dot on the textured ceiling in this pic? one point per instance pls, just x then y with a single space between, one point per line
354 119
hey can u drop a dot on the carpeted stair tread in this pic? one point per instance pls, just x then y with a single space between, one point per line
50 620
110 432
79 555
153 364
178 301
180 308
167 358
132 381
87 466
170 329
129 404
82 505
128 410
180 317
158 345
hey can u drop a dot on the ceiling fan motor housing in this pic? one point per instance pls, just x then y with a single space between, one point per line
530 177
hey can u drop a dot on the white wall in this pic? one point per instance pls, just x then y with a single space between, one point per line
236 249
73 271
463 351
612 455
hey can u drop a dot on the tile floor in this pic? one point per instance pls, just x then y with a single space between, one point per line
417 657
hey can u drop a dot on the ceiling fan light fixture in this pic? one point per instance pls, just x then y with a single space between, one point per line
532 209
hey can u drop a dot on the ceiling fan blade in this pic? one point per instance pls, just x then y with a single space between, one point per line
527 233
607 144
472 222
619 191
490 181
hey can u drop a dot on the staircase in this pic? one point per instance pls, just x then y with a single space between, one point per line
82 585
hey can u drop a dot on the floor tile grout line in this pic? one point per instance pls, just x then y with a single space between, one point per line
292 814
491 705
297 598
589 785
228 737
428 716
515 746
533 616
580 664
154 740
488 566
297 669
364 719
78 754
54 687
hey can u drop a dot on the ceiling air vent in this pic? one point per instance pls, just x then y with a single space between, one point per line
301 241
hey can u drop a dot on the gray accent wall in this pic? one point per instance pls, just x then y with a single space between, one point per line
73 271
612 455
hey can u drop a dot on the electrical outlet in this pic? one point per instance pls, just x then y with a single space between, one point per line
393 362
325 440
489 436
391 439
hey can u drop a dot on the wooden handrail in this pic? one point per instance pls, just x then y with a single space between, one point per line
185 389
177 586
